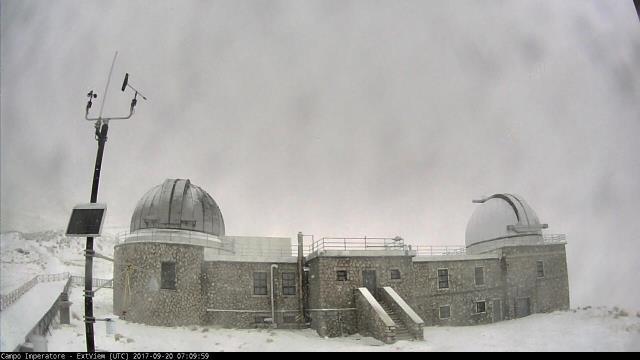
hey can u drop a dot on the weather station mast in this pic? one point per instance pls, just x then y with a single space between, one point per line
88 220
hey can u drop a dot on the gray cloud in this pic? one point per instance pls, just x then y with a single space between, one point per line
337 117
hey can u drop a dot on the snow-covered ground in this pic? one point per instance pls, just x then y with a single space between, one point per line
25 255
598 329
18 319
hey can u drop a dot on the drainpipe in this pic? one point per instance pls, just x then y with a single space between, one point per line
300 277
273 304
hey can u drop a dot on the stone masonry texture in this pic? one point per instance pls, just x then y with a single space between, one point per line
221 293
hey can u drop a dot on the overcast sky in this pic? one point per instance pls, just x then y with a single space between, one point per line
337 118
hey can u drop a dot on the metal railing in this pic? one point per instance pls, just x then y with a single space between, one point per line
13 296
362 244
175 235
97 282
53 277
10 298
152 233
554 238
425 250
373 244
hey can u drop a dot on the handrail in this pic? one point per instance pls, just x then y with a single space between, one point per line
97 282
554 238
430 250
357 243
13 296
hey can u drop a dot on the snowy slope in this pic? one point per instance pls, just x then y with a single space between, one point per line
25 255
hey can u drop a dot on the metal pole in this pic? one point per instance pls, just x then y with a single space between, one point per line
301 277
101 136
273 300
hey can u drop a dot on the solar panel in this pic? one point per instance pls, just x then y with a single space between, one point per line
86 220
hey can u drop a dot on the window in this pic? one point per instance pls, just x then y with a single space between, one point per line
341 275
443 278
481 307
259 283
289 318
395 274
479 275
445 312
288 283
168 275
540 269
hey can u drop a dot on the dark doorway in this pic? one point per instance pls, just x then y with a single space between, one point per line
369 280
523 307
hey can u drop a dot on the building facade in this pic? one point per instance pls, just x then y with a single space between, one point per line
178 267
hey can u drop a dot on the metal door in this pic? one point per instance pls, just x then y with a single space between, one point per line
523 307
369 280
497 310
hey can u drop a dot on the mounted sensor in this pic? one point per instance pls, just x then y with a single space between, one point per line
125 82
86 220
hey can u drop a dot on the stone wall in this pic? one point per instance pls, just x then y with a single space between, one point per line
545 294
221 292
231 301
462 294
137 295
372 320
332 301
407 315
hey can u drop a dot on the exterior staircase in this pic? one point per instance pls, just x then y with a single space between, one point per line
402 332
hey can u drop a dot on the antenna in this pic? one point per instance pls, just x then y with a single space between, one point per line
106 88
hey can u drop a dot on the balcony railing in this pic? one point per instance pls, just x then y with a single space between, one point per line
425 250
357 244
554 238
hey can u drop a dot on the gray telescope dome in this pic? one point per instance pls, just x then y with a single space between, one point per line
502 218
178 204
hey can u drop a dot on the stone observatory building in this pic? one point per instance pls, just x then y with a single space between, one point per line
177 266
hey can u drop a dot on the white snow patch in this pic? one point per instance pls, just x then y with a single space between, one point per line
19 318
579 330
25 255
